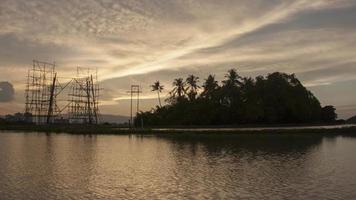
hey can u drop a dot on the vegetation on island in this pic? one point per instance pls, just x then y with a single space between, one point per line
277 98
351 120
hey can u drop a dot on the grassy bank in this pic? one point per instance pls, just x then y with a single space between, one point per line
113 130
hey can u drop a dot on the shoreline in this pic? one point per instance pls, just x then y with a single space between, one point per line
348 129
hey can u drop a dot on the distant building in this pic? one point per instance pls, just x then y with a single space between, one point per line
19 117
61 121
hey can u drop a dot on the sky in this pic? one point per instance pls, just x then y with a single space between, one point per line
139 42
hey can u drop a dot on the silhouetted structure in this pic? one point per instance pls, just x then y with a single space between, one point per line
83 98
41 92
135 89
43 88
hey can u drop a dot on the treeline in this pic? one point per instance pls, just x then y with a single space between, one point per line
277 98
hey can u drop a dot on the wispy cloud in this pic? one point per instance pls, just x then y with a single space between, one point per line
130 40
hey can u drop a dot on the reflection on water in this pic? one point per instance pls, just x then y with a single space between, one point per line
220 129
40 166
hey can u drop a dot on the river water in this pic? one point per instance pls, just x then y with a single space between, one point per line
63 166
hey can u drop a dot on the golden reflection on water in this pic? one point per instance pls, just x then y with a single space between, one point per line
61 166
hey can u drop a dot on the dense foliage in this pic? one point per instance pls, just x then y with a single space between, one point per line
275 99
352 120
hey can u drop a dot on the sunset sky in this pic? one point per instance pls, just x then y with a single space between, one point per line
139 42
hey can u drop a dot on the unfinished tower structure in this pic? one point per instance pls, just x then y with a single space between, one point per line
84 98
43 104
41 92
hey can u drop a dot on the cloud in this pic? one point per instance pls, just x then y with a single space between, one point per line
7 92
17 51
134 41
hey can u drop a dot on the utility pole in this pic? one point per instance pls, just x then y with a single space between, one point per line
135 89
89 109
51 99
93 90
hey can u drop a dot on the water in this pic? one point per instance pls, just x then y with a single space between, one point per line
306 128
61 166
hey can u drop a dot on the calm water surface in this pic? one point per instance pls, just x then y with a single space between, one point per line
61 166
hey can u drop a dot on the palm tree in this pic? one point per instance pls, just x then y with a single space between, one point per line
232 79
157 87
178 88
231 88
210 87
193 86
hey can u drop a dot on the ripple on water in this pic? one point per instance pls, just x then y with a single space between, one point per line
39 166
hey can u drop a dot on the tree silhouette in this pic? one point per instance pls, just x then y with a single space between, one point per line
210 87
178 90
328 114
274 99
231 97
157 87
192 82
233 79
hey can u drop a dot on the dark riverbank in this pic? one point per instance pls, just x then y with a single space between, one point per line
114 130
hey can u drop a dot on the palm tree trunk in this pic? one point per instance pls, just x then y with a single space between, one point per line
159 99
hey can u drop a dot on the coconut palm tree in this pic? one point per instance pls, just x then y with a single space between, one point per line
231 88
178 88
210 87
157 87
193 86
233 79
